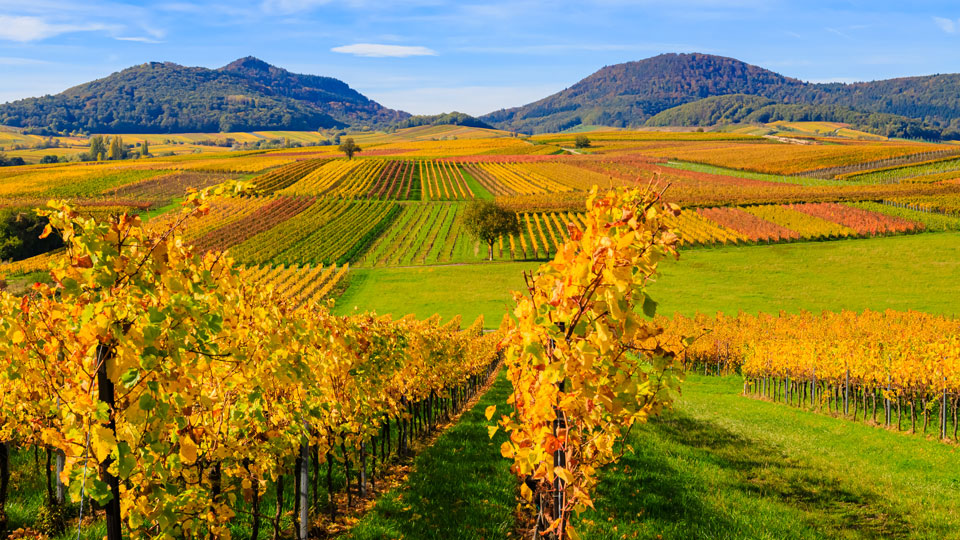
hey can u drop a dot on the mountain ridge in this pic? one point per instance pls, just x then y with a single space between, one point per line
630 93
247 94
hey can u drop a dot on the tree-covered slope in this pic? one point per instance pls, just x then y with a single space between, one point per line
742 108
245 95
629 94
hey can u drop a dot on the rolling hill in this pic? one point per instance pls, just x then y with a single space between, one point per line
162 97
628 94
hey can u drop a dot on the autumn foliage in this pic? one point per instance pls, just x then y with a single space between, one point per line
585 359
175 386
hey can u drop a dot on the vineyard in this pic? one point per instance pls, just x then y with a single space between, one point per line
902 364
311 207
199 361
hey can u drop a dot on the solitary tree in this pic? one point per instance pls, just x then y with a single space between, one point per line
581 141
349 147
145 149
488 222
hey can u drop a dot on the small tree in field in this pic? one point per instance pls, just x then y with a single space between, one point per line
581 141
488 222
349 147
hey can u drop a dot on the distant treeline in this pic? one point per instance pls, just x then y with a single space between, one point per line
742 108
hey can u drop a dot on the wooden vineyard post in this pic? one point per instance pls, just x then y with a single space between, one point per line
105 393
363 469
813 390
304 492
846 393
61 456
786 390
557 501
943 412
886 405
559 459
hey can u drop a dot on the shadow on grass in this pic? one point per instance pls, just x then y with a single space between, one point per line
690 478
460 487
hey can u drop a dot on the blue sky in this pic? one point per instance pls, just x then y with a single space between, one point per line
430 56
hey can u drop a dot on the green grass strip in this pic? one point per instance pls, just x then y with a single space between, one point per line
460 487
479 192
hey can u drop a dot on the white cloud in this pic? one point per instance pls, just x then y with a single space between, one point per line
374 50
25 29
947 25
137 39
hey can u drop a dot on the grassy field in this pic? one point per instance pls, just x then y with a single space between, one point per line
718 465
920 272
724 466
469 290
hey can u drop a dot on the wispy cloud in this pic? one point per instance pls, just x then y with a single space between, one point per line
375 50
16 61
947 25
25 29
840 33
290 6
137 39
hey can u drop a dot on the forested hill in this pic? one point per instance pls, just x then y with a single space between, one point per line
629 94
743 108
245 95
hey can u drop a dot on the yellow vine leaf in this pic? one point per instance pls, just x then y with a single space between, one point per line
188 450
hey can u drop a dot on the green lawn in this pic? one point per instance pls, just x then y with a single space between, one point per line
725 466
468 290
919 272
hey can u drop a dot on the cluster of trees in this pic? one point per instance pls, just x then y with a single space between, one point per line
113 148
453 118
10 161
